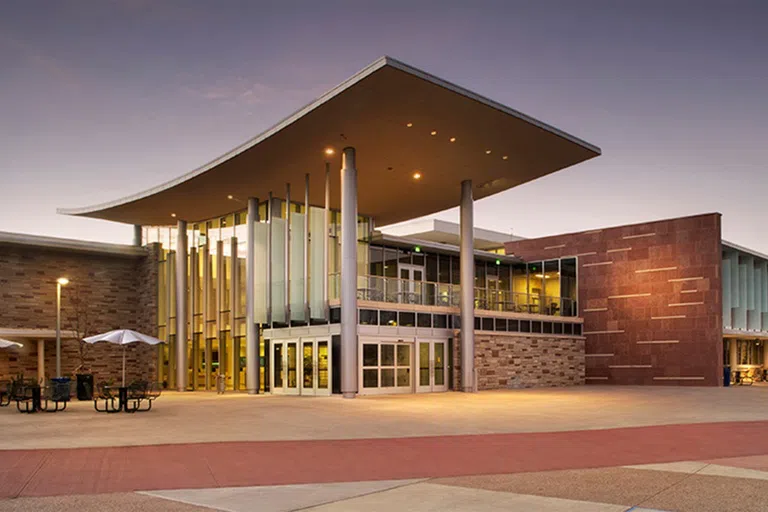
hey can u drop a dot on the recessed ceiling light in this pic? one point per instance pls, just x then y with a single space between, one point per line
230 196
417 175
452 139
409 125
487 151
434 132
173 215
505 157
329 151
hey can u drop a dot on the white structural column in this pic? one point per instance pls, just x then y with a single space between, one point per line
467 301
251 329
137 238
41 361
306 248
205 255
326 236
181 305
192 308
348 274
233 355
287 255
270 216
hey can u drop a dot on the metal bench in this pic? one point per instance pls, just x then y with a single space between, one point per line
143 392
5 393
105 394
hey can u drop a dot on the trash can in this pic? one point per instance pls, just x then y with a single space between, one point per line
60 389
85 386
726 376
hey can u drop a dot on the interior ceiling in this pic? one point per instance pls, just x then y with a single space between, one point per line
372 116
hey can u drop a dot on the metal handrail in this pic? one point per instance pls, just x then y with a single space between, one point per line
395 290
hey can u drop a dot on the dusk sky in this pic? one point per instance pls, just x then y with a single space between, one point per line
104 98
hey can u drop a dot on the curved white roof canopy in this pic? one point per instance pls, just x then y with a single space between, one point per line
370 112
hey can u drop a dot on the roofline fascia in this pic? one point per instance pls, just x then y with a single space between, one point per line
72 245
332 93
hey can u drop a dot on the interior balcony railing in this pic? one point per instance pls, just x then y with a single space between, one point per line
394 290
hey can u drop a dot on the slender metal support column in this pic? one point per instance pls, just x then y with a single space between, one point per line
287 253
327 236
205 254
181 305
137 238
219 306
270 215
348 274
233 356
306 248
170 269
467 301
251 329
41 361
193 307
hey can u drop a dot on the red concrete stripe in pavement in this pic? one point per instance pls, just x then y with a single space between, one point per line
120 469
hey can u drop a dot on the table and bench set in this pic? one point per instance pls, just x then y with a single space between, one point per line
31 397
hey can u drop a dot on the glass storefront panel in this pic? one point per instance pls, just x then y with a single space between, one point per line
551 287
535 286
568 287
439 364
322 365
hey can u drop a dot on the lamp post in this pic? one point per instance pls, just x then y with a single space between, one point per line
62 281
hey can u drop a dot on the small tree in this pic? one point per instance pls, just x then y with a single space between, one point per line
81 324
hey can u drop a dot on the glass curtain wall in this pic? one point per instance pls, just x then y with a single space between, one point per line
543 287
217 286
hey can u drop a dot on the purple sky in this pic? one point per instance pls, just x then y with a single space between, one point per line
103 98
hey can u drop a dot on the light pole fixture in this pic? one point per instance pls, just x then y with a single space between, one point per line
62 281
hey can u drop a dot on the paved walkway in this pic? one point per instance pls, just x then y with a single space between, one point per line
209 465
206 417
578 449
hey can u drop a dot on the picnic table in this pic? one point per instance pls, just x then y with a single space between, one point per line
30 397
137 397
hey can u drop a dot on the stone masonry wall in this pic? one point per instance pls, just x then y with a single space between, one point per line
105 292
505 361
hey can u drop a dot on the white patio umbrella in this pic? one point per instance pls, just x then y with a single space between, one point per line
9 344
123 337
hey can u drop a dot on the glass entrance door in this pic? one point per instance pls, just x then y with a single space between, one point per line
284 364
315 369
433 367
493 293
411 278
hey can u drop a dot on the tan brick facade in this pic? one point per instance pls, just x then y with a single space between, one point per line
509 361
651 298
116 291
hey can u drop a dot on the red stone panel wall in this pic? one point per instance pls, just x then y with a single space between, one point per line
650 295
115 291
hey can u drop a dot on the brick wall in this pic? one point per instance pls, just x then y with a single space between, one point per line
111 291
650 295
507 361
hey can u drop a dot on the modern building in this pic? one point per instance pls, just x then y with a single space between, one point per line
265 267
271 256
665 302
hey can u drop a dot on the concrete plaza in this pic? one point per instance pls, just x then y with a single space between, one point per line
586 448
207 417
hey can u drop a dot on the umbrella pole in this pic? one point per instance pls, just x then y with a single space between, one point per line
123 365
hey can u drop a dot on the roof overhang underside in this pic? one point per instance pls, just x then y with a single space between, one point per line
369 112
